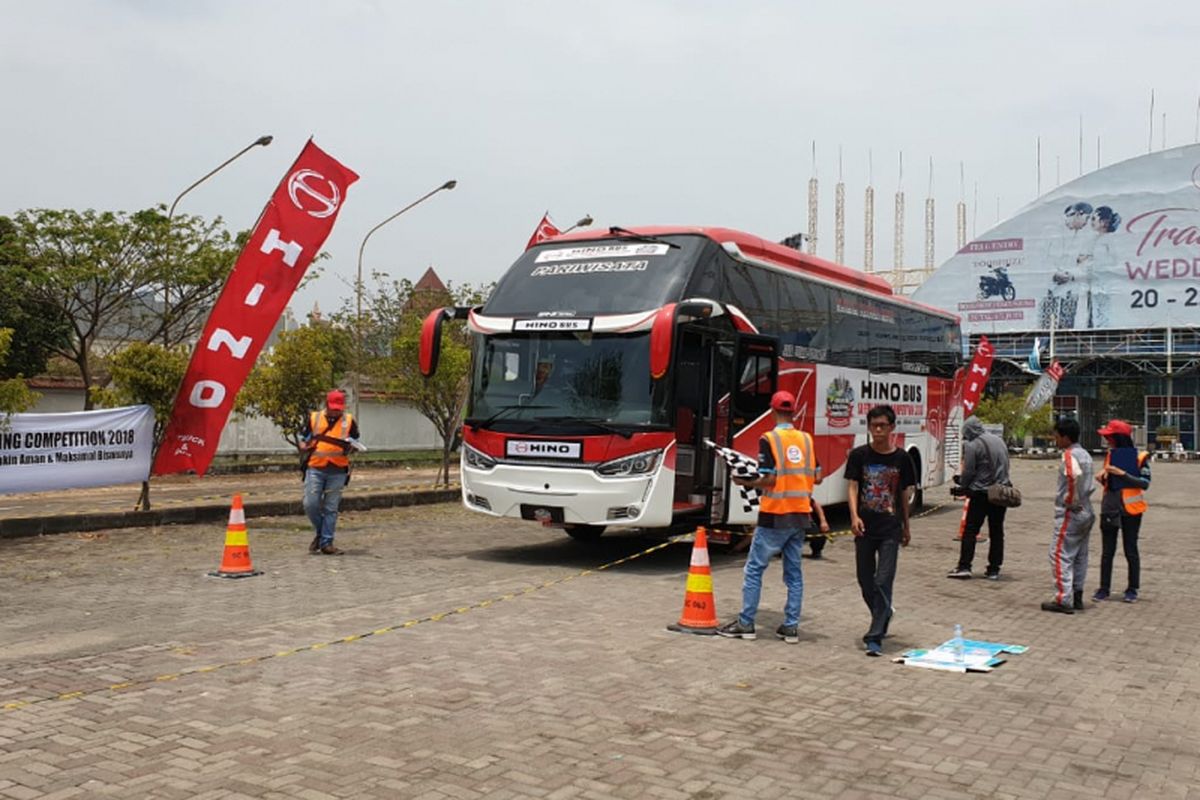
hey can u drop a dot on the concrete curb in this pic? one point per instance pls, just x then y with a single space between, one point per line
18 527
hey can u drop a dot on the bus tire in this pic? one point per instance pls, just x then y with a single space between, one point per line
584 533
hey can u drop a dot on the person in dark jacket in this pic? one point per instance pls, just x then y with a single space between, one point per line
985 463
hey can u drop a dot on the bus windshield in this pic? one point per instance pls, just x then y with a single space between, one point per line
560 378
613 276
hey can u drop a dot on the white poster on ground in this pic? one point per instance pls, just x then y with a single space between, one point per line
45 452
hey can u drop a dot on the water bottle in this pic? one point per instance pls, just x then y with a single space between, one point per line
959 656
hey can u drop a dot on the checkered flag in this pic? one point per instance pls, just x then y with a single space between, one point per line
740 466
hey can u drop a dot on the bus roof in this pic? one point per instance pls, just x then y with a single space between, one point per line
781 255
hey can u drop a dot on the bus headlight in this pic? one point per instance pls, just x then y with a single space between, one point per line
476 459
637 464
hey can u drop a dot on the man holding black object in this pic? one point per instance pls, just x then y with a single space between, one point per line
327 439
1125 478
985 464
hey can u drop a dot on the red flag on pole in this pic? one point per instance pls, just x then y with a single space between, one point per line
545 230
290 232
977 374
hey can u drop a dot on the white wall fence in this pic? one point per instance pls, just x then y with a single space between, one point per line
383 426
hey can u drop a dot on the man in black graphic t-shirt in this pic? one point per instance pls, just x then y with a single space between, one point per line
881 478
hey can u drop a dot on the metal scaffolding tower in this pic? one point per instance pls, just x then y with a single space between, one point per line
839 216
812 205
869 218
898 222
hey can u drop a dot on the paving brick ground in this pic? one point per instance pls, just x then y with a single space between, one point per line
574 689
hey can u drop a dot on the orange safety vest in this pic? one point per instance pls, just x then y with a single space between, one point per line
326 454
795 473
1132 498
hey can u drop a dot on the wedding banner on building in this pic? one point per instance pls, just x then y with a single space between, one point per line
289 234
45 452
1117 248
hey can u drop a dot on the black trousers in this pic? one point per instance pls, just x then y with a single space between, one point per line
1128 525
979 509
875 563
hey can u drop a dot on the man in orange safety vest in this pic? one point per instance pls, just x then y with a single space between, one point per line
326 440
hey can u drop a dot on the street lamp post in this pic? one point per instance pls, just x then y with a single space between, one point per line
261 141
358 286
583 222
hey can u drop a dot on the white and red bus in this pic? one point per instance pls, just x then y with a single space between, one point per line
603 362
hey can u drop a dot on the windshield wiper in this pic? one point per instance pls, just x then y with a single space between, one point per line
476 424
641 237
595 422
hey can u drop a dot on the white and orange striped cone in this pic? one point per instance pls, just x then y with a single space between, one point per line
699 606
235 561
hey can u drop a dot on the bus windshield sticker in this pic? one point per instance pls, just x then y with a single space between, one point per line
590 267
541 448
601 251
552 325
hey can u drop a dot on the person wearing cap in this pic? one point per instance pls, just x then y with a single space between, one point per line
327 439
881 481
1073 520
787 473
1125 478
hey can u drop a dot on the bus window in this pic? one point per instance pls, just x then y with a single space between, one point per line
755 291
803 318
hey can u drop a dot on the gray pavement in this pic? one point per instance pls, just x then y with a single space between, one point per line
186 499
453 656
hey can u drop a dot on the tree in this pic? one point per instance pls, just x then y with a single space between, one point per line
37 327
441 398
292 379
15 396
1008 409
107 273
145 373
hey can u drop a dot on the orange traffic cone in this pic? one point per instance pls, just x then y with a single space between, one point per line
235 562
699 605
962 524
962 521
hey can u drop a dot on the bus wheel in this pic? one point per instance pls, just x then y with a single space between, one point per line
584 533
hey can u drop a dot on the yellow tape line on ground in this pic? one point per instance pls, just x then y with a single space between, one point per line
356 637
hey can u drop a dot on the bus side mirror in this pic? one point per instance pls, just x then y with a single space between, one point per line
662 332
431 336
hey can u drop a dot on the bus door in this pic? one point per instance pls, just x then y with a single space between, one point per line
703 370
755 374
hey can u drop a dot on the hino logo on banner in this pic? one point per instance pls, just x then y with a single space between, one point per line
552 325
539 448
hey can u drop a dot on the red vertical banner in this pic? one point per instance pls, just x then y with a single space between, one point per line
293 226
976 375
545 230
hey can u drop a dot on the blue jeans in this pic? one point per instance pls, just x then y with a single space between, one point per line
322 495
767 543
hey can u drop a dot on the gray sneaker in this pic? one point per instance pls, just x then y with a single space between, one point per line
959 573
789 633
736 630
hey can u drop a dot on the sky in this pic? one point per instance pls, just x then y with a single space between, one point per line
644 112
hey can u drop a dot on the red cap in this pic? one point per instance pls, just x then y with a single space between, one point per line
783 401
336 400
1115 426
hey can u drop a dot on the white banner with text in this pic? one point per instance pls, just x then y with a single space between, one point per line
45 452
